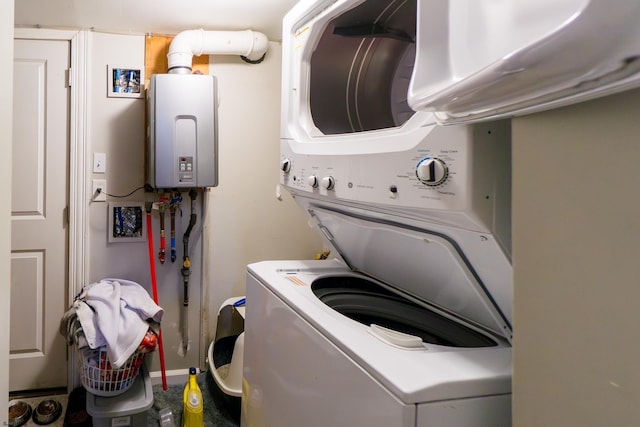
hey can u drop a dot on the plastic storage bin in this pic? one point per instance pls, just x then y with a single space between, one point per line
128 409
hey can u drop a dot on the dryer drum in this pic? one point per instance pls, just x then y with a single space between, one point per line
369 303
361 68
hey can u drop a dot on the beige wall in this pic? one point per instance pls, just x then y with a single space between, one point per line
241 221
6 75
245 221
115 126
576 222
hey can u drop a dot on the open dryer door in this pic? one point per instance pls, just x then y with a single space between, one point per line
489 59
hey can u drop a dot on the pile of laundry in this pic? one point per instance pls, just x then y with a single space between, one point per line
114 323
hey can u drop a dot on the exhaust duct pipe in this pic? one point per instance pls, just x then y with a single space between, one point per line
250 45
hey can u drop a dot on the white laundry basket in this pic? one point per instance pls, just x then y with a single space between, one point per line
101 378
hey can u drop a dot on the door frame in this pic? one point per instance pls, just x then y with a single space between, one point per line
78 160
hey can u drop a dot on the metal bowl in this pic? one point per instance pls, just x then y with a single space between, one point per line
19 413
47 411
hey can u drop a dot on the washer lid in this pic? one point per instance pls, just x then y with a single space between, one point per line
484 60
423 263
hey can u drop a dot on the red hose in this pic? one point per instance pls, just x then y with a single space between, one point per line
154 287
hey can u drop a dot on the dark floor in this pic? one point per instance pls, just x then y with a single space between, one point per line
220 410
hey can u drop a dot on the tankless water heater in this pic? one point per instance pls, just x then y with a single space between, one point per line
182 149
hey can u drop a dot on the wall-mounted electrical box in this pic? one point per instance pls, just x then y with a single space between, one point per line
182 149
126 222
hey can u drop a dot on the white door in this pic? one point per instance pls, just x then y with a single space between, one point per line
38 353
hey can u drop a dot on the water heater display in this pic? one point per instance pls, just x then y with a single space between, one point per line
182 150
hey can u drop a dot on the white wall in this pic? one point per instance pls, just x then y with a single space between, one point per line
246 223
6 90
242 221
576 242
116 127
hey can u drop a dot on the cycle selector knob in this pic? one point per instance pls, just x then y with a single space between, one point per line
328 182
432 171
285 165
312 180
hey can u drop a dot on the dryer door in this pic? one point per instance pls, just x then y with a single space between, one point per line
480 60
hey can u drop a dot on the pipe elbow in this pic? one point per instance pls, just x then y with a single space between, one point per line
181 50
190 40
259 46
250 44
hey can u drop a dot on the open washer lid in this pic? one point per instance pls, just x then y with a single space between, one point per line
425 263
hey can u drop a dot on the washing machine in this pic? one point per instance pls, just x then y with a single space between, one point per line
408 322
395 144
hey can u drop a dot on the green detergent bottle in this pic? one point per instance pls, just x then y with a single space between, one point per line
192 402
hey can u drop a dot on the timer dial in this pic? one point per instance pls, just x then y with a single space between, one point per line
432 171
285 165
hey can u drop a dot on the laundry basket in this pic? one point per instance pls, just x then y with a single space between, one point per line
99 377
102 379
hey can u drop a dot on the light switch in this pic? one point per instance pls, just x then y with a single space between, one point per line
99 162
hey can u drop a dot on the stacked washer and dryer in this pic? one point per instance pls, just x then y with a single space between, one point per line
409 323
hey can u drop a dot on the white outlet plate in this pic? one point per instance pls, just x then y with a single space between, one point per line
102 185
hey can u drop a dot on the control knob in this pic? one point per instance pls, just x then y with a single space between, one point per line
285 165
312 180
432 171
328 182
